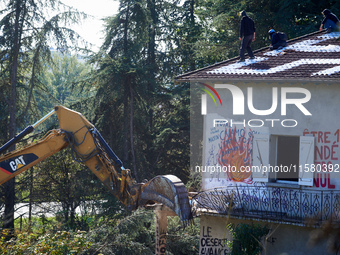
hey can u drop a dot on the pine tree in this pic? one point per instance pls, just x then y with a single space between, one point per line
26 31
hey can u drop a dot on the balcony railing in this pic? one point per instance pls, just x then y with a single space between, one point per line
271 203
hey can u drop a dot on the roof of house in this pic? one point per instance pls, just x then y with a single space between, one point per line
313 57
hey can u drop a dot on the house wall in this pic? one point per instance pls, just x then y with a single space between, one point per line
323 124
235 143
281 239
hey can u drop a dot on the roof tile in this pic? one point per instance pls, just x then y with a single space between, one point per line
312 57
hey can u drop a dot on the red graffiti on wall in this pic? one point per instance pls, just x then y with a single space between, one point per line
325 155
236 151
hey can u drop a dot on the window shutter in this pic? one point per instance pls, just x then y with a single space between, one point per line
306 160
260 157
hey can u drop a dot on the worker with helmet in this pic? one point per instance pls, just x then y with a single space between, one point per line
278 39
330 21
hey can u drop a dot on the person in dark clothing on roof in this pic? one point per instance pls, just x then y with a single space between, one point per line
277 42
330 21
247 35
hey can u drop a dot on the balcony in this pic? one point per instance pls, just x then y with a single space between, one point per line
285 205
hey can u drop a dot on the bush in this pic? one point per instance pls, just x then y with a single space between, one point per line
128 235
182 242
121 234
135 234
247 238
60 242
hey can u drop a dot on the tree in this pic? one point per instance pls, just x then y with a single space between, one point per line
65 80
136 95
27 32
63 180
120 72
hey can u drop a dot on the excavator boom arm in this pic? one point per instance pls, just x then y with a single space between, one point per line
20 160
90 148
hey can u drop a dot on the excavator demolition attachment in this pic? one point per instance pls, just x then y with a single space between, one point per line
170 191
89 147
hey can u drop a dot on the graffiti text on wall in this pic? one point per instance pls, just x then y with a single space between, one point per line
326 154
212 245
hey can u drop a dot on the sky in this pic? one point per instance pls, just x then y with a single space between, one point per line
91 29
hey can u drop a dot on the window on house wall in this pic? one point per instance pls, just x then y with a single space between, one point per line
283 159
287 158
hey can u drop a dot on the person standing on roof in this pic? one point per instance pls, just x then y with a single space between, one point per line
247 35
278 40
330 21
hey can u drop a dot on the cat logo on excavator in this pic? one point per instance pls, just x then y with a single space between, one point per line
16 163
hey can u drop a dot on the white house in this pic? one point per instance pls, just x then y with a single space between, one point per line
271 136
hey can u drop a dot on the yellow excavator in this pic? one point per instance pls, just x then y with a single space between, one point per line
90 148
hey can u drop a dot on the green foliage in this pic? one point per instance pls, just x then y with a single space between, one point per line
135 234
60 242
132 234
182 241
144 118
37 224
220 20
121 234
247 238
29 34
60 179
194 183
65 81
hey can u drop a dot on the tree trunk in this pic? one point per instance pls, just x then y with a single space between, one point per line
30 200
131 136
126 124
192 22
9 187
151 83
126 90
